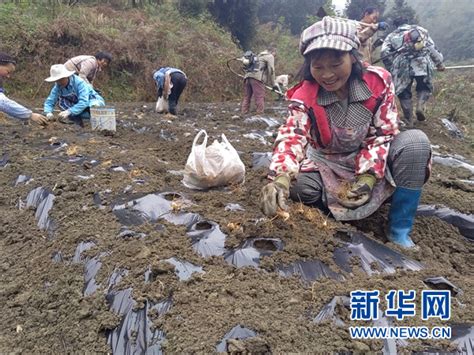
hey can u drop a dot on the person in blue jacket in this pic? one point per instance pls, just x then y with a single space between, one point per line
71 93
8 106
170 83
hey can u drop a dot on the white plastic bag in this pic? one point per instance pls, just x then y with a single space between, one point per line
161 105
216 165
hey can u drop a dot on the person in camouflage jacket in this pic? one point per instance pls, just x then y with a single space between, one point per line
340 148
409 54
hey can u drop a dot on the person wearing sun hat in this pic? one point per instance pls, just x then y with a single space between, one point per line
71 93
340 149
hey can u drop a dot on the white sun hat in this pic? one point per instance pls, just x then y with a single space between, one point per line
58 71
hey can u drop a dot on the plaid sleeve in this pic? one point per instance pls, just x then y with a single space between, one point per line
289 151
372 158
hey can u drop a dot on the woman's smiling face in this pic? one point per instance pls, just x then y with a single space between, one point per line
331 69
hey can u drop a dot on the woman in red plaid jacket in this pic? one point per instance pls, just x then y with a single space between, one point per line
340 148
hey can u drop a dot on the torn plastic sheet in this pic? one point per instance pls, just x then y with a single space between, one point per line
309 270
57 257
261 160
116 277
252 250
259 135
463 337
153 207
238 332
233 207
97 198
125 232
4 160
42 199
91 268
22 179
184 269
81 247
54 144
74 159
85 177
118 168
207 238
135 334
269 121
329 312
440 283
141 130
453 162
452 128
167 135
370 252
464 222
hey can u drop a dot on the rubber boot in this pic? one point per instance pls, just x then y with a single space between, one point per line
422 97
402 215
407 108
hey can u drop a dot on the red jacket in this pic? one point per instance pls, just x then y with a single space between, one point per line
301 129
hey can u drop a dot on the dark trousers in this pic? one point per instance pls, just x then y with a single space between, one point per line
421 85
179 81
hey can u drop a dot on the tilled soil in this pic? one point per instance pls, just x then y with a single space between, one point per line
44 309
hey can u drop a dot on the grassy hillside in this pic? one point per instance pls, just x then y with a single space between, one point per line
140 41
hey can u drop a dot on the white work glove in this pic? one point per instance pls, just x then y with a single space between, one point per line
49 115
64 114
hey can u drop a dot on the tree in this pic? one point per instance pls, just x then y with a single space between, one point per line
239 16
294 14
402 12
355 8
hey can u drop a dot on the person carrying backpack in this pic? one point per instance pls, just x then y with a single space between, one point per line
409 54
258 72
340 148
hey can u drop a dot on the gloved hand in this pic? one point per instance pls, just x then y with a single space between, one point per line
64 114
274 195
39 119
382 26
440 67
50 115
360 191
